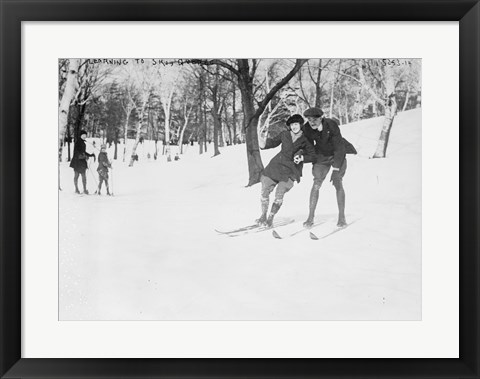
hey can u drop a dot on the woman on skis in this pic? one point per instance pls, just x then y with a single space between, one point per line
286 167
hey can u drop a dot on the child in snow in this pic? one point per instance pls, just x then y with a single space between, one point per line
103 165
286 167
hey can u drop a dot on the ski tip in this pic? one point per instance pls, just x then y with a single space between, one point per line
313 236
276 235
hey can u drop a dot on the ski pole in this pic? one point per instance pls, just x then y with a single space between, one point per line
111 166
94 179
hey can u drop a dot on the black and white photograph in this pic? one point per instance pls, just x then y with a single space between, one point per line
222 189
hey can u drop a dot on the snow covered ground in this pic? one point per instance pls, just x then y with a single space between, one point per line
151 253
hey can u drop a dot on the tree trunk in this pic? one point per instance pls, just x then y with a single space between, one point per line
203 118
125 132
67 98
407 94
333 87
318 88
229 131
220 133
217 126
185 123
234 118
138 131
390 111
331 100
78 119
205 131
254 160
166 110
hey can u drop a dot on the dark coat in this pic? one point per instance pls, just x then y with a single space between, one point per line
281 167
103 162
328 142
80 155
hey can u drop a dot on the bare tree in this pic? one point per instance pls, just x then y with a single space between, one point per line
64 106
168 77
187 110
388 101
244 71
66 100
128 104
143 80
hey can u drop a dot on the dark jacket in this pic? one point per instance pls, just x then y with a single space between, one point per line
281 167
329 142
80 156
103 162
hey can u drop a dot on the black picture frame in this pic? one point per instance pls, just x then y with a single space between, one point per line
13 12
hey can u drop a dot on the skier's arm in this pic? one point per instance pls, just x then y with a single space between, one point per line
338 145
309 155
262 137
273 142
298 157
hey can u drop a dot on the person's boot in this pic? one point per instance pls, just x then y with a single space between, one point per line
312 206
108 191
77 191
275 207
263 218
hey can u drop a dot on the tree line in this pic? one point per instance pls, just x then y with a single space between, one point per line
218 102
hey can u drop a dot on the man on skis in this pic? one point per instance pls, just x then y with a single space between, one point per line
330 149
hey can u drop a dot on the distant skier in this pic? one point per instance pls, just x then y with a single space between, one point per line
103 166
286 167
79 161
330 149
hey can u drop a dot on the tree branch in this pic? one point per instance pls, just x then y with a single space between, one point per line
298 65
219 62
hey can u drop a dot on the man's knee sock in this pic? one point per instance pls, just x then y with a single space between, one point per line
75 181
340 201
275 207
264 205
313 201
84 181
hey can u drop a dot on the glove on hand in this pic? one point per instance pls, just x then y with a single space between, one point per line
298 158
335 178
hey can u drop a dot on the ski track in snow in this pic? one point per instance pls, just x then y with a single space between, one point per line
151 252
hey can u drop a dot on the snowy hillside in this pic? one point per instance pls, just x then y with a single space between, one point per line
150 252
